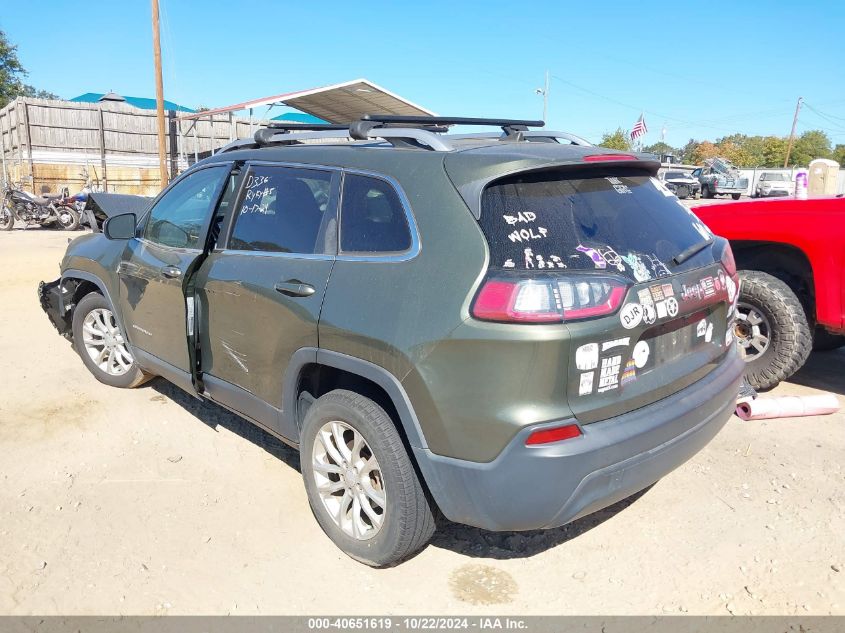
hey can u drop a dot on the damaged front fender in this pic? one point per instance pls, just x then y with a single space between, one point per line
52 296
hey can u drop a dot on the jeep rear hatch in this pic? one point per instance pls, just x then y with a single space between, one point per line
636 278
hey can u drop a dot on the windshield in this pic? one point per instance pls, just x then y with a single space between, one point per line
779 177
676 174
618 221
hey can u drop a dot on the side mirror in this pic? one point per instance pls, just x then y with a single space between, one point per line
120 227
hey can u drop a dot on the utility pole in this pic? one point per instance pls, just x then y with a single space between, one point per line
792 133
162 159
545 92
546 98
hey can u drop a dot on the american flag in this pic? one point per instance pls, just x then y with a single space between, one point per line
639 128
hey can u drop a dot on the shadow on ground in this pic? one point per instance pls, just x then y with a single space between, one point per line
824 371
455 537
213 416
479 543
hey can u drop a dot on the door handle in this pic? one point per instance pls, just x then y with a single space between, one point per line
294 288
172 272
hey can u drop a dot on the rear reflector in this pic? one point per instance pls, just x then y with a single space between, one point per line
599 158
556 434
548 298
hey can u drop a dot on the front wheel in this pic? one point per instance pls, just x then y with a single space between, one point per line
99 342
771 328
735 196
705 192
361 484
68 218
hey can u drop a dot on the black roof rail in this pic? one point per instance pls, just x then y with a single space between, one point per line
450 120
310 127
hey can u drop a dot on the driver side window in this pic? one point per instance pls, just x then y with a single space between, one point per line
178 217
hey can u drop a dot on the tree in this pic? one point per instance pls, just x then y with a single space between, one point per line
702 151
660 148
811 144
774 151
616 140
839 154
12 74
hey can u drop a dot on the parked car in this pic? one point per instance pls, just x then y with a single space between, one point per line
772 183
790 254
719 176
681 183
515 329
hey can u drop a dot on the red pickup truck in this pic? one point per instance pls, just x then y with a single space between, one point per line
791 258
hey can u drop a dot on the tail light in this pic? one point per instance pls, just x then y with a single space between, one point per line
728 260
550 299
554 434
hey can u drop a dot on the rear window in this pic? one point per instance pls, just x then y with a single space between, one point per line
615 221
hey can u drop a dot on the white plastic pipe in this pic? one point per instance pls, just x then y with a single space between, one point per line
787 407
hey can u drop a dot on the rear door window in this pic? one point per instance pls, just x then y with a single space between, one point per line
610 220
372 218
283 210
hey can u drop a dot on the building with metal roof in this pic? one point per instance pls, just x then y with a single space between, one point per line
144 103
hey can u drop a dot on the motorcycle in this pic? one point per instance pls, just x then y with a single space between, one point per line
48 210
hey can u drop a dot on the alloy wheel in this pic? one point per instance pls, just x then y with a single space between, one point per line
104 343
349 480
753 331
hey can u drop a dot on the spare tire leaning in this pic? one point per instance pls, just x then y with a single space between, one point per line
771 329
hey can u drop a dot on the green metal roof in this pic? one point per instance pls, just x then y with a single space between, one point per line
143 103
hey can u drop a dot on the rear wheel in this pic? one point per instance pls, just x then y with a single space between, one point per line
771 328
735 196
7 216
361 483
68 218
99 342
705 192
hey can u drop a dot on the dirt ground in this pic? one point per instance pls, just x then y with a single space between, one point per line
150 502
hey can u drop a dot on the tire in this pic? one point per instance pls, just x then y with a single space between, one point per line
68 219
705 192
94 305
682 192
788 340
7 216
824 341
736 196
406 518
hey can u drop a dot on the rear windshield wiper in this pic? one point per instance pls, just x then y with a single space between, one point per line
692 251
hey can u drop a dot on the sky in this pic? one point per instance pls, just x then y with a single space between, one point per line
698 69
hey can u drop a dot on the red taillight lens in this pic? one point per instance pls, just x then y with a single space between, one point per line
600 158
728 260
548 299
556 434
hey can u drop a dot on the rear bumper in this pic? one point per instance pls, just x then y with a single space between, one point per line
528 488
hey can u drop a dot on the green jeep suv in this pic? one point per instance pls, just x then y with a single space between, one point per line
511 329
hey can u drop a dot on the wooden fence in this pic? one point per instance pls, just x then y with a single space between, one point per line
49 144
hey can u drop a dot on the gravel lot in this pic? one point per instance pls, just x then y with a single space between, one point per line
150 502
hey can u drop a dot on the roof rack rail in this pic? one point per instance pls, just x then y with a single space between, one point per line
451 120
302 127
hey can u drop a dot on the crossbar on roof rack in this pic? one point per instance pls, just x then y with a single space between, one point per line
294 127
448 120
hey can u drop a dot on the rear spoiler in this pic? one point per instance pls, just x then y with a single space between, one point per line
101 206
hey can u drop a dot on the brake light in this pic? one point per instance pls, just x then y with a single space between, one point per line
728 260
556 434
548 299
599 158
